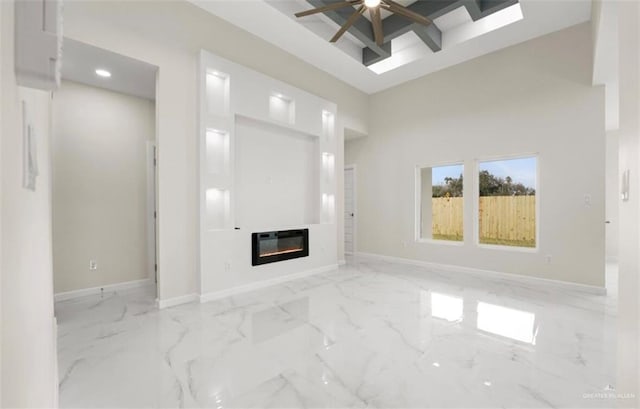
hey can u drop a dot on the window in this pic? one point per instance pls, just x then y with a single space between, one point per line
441 203
507 202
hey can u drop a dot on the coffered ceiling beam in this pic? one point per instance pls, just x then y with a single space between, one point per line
488 7
396 25
430 35
370 57
361 29
474 8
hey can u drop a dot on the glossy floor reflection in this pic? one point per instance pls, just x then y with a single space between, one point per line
371 334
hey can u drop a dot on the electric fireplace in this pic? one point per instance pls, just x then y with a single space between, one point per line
269 247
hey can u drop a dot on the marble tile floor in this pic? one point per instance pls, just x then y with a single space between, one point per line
371 334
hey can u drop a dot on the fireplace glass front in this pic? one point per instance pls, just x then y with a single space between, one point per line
269 247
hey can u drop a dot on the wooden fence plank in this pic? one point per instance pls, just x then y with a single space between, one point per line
506 220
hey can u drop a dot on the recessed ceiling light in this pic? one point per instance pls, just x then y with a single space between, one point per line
372 3
103 73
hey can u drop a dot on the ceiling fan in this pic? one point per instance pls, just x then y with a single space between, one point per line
374 7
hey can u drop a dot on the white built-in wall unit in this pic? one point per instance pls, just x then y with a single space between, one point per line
267 163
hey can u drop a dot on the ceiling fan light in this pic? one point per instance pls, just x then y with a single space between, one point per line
372 3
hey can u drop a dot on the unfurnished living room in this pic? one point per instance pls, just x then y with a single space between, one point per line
320 203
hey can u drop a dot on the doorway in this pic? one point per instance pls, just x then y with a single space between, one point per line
104 177
350 209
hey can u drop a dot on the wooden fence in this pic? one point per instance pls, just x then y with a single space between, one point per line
446 219
506 220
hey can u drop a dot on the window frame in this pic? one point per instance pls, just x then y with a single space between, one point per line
476 204
418 204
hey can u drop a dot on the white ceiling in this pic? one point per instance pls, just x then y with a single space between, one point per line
128 76
273 21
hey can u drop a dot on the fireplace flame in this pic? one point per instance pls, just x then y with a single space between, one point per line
284 251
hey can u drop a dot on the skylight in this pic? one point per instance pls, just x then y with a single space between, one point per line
408 48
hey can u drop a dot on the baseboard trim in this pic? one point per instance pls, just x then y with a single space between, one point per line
68 295
217 295
172 302
591 289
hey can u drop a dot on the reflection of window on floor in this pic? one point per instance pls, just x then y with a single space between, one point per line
441 204
446 307
507 202
507 322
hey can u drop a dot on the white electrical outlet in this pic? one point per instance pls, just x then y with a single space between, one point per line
227 266
93 265
548 258
587 200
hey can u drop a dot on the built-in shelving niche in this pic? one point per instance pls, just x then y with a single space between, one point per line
218 209
328 208
217 151
218 87
328 169
328 127
282 108
217 148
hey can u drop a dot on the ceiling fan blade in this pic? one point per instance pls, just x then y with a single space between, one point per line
376 23
352 19
405 12
329 7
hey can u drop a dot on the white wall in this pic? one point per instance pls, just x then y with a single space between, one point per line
612 197
535 97
169 35
1 137
99 186
629 245
340 189
276 176
29 377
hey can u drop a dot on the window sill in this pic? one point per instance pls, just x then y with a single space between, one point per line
508 248
444 242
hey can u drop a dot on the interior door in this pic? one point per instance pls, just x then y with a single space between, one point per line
349 210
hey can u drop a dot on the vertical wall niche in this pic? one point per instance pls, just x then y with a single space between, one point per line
328 208
218 209
328 170
217 145
328 126
282 108
328 166
217 84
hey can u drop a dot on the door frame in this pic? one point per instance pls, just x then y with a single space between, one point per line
354 233
152 213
